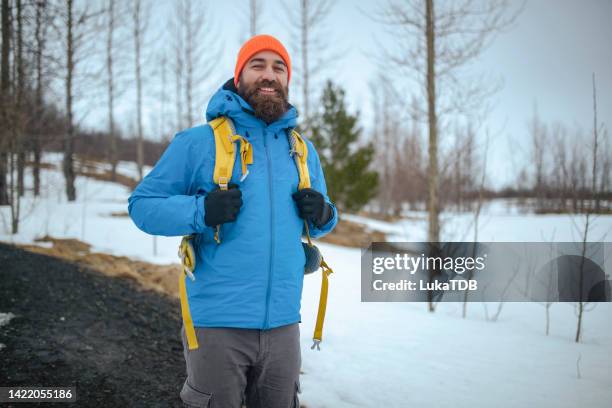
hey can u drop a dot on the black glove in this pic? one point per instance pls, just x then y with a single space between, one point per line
312 206
222 206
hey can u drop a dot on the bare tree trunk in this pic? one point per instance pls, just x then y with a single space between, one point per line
179 66
12 197
36 140
547 306
253 17
470 273
178 78
581 279
589 210
17 155
163 95
20 142
188 24
4 101
112 141
193 62
433 233
310 16
68 163
387 150
595 150
137 46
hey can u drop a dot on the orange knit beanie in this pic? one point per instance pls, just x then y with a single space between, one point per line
259 43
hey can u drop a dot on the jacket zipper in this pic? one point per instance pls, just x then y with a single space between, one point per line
271 190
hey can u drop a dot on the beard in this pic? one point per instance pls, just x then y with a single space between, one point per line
268 108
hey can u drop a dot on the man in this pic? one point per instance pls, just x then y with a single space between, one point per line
245 299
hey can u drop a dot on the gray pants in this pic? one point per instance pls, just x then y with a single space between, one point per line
232 367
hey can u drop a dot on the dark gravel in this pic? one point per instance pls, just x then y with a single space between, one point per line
117 344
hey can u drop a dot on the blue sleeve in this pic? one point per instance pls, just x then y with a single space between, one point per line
164 203
317 180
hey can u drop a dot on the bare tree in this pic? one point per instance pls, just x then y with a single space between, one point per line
477 212
178 68
162 93
433 233
193 65
439 43
17 125
20 142
80 25
112 140
42 21
140 18
588 219
539 135
446 39
386 135
5 98
310 18
68 162
254 16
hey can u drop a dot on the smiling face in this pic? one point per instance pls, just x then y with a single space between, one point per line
263 84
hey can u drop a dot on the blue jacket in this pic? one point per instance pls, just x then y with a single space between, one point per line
254 278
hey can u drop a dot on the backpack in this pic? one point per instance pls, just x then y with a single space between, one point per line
225 157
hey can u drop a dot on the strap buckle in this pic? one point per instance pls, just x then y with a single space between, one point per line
223 183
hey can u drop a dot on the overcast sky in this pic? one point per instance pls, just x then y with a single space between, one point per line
546 59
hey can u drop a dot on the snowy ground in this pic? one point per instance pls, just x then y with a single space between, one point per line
391 354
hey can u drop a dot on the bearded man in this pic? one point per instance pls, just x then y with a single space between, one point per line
245 299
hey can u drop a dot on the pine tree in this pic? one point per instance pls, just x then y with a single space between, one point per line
350 182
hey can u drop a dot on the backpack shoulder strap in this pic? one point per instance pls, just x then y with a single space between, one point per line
225 151
299 151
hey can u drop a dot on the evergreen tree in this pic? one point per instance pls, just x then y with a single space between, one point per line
350 182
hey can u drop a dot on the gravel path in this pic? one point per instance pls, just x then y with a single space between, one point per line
117 344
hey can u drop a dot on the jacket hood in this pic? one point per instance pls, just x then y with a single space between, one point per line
227 102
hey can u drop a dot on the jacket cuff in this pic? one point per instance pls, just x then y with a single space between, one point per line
198 223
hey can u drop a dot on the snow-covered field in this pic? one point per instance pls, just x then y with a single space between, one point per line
389 354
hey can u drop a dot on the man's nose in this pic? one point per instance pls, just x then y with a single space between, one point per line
268 74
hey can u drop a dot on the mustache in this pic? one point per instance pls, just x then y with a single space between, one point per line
264 83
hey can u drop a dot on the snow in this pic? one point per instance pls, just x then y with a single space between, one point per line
498 222
88 218
398 354
5 318
388 354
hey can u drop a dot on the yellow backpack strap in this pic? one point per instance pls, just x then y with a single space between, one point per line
225 155
299 151
317 337
187 255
